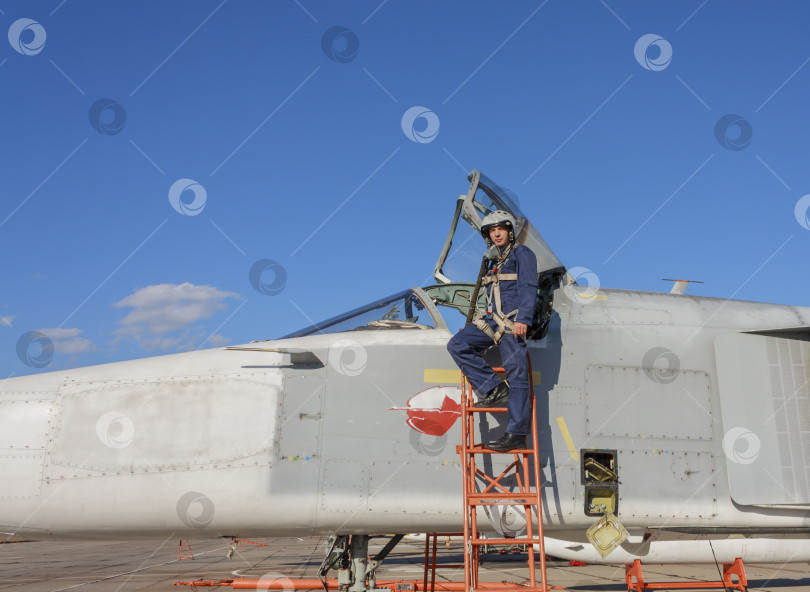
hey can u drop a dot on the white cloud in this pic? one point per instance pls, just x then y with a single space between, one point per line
153 343
218 340
7 320
162 314
67 341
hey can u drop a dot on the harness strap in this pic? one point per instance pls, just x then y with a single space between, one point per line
505 322
499 277
506 325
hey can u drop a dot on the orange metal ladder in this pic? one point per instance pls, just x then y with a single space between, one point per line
494 491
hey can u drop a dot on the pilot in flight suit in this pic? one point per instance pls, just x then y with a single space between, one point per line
511 282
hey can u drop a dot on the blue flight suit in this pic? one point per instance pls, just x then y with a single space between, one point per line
466 346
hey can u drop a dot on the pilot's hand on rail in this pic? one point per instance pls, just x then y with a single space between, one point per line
520 329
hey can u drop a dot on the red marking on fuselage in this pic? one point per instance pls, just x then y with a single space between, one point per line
427 415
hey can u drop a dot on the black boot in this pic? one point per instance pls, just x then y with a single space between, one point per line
499 394
507 442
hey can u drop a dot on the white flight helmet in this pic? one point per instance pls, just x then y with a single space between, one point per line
498 218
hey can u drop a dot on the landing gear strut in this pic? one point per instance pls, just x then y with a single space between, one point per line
356 572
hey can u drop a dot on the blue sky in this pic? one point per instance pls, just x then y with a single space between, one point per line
287 135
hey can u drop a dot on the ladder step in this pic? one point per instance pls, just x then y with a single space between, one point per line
496 495
487 409
517 541
528 499
482 450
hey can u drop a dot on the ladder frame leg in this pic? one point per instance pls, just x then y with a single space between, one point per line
466 387
737 568
538 485
427 565
632 571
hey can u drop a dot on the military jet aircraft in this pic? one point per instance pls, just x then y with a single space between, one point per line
688 418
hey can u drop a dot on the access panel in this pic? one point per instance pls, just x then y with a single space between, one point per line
763 384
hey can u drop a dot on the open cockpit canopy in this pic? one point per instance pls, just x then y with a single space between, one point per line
460 258
447 305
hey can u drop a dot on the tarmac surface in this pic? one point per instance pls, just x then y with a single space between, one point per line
152 566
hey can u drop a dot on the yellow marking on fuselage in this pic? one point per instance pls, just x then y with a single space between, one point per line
453 376
597 296
441 375
572 450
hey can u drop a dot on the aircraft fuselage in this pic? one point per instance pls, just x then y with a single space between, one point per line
345 434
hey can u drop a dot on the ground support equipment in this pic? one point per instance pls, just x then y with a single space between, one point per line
635 580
